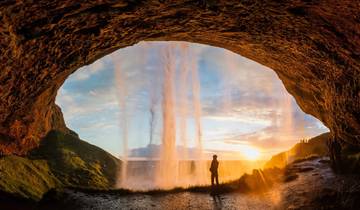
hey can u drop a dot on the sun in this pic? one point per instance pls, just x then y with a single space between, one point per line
251 153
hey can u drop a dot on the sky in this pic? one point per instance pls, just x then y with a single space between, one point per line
244 105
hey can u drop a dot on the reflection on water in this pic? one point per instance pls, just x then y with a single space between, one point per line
217 202
141 174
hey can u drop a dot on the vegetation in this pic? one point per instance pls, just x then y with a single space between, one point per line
302 150
61 160
258 181
65 161
26 178
76 162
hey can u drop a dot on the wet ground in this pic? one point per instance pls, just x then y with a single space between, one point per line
312 185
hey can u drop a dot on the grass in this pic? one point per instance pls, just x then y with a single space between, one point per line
61 160
65 161
76 162
258 181
26 178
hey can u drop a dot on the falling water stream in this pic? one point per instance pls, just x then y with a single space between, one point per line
122 94
179 102
173 167
174 99
166 173
200 168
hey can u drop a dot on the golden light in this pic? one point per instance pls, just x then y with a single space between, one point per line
251 153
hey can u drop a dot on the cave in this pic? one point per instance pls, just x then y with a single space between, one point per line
312 46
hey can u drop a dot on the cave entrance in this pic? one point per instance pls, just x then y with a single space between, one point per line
211 100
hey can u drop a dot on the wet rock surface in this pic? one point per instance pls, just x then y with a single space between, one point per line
313 46
319 188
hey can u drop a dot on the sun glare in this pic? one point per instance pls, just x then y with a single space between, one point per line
251 153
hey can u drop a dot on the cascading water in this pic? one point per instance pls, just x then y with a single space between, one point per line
200 169
176 156
183 109
122 94
173 167
167 166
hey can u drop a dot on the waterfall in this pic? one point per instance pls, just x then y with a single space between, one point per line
122 94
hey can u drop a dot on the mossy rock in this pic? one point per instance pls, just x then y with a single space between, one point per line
26 178
61 160
76 162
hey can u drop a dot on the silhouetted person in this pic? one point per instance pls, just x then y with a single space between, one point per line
337 153
330 146
214 171
334 153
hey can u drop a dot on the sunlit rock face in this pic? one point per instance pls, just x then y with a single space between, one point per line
313 46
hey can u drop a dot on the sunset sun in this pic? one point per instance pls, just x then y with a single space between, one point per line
251 153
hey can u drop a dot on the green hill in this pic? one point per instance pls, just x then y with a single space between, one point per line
314 146
61 160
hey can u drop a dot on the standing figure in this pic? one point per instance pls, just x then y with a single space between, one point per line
337 154
214 171
334 153
330 146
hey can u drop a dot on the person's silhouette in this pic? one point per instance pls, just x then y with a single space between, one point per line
214 171
337 154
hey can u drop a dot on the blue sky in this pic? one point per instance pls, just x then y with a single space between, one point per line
243 103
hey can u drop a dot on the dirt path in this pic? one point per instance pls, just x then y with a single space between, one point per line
316 187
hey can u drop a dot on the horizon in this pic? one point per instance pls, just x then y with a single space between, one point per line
238 113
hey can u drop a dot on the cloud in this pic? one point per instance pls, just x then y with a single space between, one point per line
243 102
274 137
86 72
78 103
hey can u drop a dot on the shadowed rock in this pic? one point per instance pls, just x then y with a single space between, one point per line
313 46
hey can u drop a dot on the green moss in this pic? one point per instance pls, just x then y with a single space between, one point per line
26 178
61 160
78 163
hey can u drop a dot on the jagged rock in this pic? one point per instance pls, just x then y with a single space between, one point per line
313 46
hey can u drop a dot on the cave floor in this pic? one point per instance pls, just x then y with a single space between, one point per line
316 187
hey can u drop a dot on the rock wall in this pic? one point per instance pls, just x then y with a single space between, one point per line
313 46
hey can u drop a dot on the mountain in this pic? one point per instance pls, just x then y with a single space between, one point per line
153 151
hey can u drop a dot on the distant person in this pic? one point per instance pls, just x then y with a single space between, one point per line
330 146
214 171
337 153
334 152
